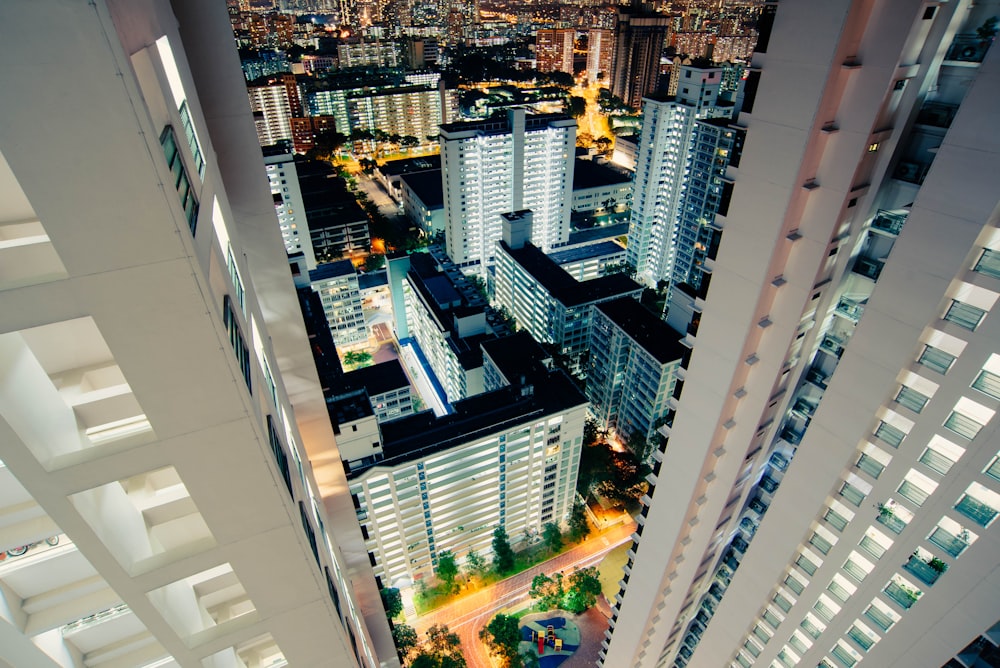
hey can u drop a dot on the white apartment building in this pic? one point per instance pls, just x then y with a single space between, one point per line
829 491
681 159
272 113
337 285
157 502
524 161
505 458
283 178
544 299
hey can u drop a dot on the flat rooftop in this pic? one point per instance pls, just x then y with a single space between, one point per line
563 287
415 436
600 249
427 186
330 270
589 174
411 165
517 356
378 378
653 335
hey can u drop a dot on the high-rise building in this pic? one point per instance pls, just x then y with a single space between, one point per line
554 50
600 50
523 161
272 111
640 37
684 149
829 491
282 176
159 506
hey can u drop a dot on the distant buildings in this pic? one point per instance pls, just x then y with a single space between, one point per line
507 458
491 167
682 158
272 112
554 50
599 187
639 42
283 178
633 367
600 51
338 226
544 299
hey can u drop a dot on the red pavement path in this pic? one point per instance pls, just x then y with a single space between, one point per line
468 614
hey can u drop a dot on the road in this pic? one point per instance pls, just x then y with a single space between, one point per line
468 614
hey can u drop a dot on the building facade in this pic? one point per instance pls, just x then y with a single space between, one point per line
839 508
639 42
684 149
554 50
523 161
437 489
156 473
336 283
279 163
600 50
632 371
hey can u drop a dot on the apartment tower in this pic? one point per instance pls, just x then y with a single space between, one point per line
554 49
159 406
640 37
829 489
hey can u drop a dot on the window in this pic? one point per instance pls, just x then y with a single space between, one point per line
852 494
947 541
820 543
911 399
811 628
838 591
771 619
962 425
855 570
806 564
936 359
794 584
872 547
782 602
988 383
835 519
976 510
891 435
989 263
993 470
935 461
964 315
871 466
879 618
181 182
236 340
824 611
858 635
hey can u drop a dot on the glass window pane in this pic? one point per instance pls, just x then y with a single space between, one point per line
911 399
936 359
977 511
820 543
962 425
841 655
782 602
891 435
838 591
988 383
989 263
879 618
811 629
794 584
964 315
872 547
835 519
993 470
871 466
863 639
935 461
915 494
854 570
953 545
853 495
805 564
824 611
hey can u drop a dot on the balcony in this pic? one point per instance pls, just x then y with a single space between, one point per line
888 221
902 594
851 308
868 267
833 345
804 407
792 434
817 378
889 520
926 571
968 48
911 171
937 114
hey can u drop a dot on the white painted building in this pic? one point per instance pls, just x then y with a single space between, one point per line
523 161
829 491
272 113
505 458
337 285
149 323
283 178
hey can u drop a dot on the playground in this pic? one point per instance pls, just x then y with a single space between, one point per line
550 635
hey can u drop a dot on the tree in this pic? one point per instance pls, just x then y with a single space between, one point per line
584 588
503 555
391 601
446 569
360 358
548 591
326 144
443 649
552 536
374 262
576 106
590 431
475 565
405 638
578 526
502 636
639 445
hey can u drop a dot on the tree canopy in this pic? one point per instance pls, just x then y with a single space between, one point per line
502 636
391 601
443 649
503 555
447 569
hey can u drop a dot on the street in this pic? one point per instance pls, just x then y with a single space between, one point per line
467 615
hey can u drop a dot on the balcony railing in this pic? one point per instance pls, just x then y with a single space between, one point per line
891 522
904 596
968 48
922 570
911 171
852 309
817 378
890 222
832 345
953 545
868 267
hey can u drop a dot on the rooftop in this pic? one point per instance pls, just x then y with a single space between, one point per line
415 436
378 378
651 334
589 174
563 287
325 272
411 165
499 125
517 355
594 233
427 186
600 249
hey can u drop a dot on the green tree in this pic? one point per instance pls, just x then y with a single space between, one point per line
548 591
502 636
447 569
357 358
443 649
374 262
391 601
590 431
475 565
576 106
578 526
583 590
552 536
503 555
326 144
405 638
